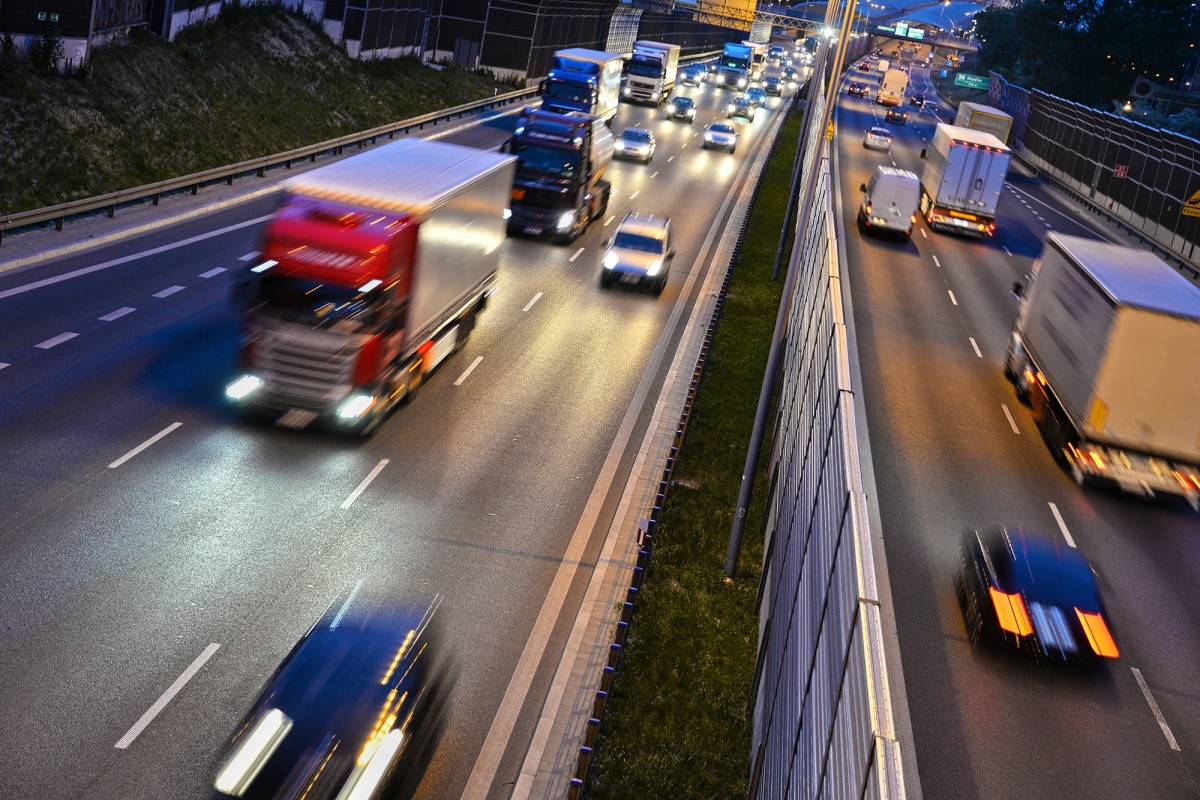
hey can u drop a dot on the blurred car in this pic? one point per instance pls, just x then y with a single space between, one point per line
693 75
864 66
348 712
682 107
639 252
896 116
720 135
790 75
917 99
929 110
757 95
878 139
857 88
1033 593
773 84
635 144
741 106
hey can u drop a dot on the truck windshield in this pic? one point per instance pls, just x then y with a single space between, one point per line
565 91
547 161
644 69
321 305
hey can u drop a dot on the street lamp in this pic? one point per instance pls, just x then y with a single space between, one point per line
940 12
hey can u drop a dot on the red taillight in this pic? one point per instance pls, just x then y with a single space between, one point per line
1098 635
1010 612
366 369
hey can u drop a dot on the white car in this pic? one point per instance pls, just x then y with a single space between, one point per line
721 135
639 252
878 139
636 144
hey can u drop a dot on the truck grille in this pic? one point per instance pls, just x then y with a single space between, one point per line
305 368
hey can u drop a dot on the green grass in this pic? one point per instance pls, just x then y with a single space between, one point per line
677 724
257 81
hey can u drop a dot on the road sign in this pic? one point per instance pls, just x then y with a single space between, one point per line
1192 207
971 81
829 131
1121 171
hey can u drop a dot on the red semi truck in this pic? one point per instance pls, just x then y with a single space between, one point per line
372 273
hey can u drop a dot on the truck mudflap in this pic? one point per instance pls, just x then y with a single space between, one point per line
1133 473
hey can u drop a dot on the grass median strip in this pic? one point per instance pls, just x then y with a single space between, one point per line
677 723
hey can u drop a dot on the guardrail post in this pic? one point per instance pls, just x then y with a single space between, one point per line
195 189
111 211
156 198
58 223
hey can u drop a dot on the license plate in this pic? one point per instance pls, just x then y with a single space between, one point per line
630 277
532 229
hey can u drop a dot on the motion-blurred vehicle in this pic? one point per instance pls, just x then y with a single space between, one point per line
878 139
720 135
757 95
890 202
349 712
693 75
790 76
773 84
864 66
917 99
682 107
857 88
929 109
1034 594
962 180
896 116
741 106
639 252
635 144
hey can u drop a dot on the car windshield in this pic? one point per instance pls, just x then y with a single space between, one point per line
721 129
635 241
563 91
683 102
547 161
315 303
635 135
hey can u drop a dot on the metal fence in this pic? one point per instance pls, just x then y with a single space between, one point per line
823 719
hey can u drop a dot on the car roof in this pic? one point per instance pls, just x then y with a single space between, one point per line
722 126
1044 569
683 97
650 225
880 132
636 131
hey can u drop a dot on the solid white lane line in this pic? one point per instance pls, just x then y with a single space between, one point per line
1062 526
249 256
66 276
1012 422
575 255
974 346
936 263
632 196
120 312
56 340
953 299
654 174
214 272
529 305
611 217
365 483
166 697
468 370
1162 722
144 445
170 290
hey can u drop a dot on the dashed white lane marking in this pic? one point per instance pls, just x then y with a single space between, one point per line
937 263
974 346
953 299
1162 722
575 255
468 370
4 365
1062 526
214 272
170 290
166 697
529 305
924 235
56 340
120 312
670 159
685 144
365 483
611 217
654 174
634 195
249 256
1011 422
144 445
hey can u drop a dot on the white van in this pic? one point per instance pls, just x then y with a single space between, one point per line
890 201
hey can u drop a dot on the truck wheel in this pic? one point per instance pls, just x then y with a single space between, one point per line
606 279
659 285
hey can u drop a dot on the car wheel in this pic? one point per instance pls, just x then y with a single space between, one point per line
660 284
606 279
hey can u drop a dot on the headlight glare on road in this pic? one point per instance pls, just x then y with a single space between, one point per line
243 387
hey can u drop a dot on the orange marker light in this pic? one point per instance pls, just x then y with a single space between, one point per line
1098 635
1010 612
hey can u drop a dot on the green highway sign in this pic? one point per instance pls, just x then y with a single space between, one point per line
971 81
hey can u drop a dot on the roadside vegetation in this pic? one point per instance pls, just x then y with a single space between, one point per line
256 81
677 723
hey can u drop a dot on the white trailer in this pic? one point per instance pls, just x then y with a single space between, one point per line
1106 349
652 72
979 117
892 88
962 181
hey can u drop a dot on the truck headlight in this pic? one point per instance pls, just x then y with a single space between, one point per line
243 387
567 220
508 213
610 260
627 91
742 83
355 406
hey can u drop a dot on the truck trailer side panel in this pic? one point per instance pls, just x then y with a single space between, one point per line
979 117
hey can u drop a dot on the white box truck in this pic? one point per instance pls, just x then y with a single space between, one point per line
587 81
962 180
652 72
373 271
979 117
1106 350
892 88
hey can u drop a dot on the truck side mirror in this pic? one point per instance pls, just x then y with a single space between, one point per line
1018 289
923 152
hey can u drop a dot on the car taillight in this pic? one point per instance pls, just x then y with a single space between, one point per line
1010 612
1098 635
366 369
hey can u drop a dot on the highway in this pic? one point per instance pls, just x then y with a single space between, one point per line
953 449
162 556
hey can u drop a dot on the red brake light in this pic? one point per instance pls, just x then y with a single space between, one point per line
366 369
1098 635
1010 612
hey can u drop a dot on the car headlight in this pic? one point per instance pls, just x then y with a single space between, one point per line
708 137
620 145
508 213
610 260
742 83
243 387
729 108
654 267
355 406
566 220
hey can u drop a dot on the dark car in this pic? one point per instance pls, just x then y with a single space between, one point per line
857 89
896 116
350 709
917 99
682 107
1033 593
